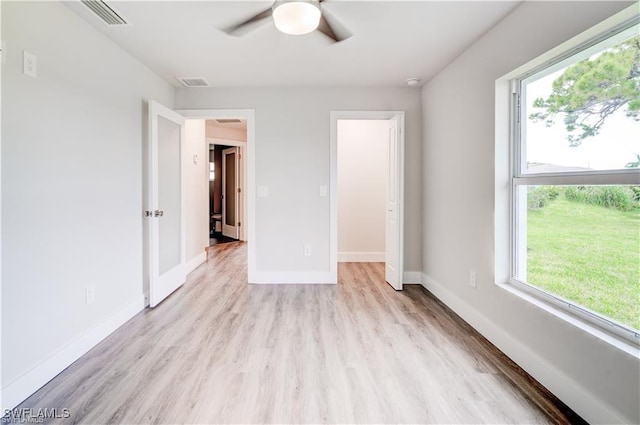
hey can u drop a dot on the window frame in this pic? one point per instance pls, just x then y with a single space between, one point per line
517 178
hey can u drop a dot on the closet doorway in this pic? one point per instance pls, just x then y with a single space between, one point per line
368 189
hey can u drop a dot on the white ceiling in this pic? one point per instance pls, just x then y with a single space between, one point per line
392 41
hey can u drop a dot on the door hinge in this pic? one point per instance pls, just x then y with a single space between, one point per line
239 224
239 190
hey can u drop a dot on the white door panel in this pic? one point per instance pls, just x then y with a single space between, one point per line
392 261
166 215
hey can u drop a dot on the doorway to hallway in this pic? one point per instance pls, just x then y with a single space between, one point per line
227 143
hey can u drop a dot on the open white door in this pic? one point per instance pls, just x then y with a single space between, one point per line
166 203
230 192
393 269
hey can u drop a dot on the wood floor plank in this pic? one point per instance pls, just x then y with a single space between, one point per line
221 351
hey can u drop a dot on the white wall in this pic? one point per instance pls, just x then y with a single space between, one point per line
599 381
362 184
292 159
229 133
196 192
72 190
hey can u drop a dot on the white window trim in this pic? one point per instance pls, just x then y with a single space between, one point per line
508 176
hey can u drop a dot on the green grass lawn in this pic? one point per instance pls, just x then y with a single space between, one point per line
587 254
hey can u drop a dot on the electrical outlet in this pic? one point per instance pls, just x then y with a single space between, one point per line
307 250
91 294
473 279
30 64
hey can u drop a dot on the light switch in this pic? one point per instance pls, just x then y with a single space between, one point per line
195 158
263 191
324 191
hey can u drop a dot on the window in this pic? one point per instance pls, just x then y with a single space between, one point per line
575 182
212 171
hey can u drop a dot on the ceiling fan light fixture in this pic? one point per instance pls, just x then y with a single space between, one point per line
296 17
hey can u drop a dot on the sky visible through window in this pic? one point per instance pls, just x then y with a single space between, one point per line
617 143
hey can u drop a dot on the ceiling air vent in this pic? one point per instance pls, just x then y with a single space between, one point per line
228 121
105 12
193 82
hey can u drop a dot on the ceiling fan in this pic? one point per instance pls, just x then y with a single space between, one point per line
297 17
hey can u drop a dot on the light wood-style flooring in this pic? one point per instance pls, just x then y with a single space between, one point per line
221 351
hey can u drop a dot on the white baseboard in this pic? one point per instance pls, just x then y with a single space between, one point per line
292 277
412 277
21 388
555 380
361 257
196 261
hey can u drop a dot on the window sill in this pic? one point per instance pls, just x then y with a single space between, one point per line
609 338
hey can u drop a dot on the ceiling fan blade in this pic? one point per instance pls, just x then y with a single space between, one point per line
235 29
330 27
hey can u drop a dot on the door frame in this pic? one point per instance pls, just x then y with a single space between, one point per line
247 230
242 149
333 199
